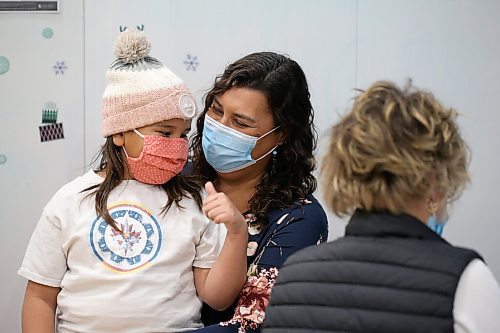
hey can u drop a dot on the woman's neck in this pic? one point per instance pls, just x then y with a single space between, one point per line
239 190
417 210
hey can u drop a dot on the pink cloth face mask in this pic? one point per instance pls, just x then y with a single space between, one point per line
160 160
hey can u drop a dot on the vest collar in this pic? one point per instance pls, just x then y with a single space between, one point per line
385 224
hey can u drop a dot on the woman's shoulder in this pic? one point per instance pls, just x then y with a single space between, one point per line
477 300
477 273
312 208
303 222
306 209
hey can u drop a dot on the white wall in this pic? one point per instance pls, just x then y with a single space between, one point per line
449 46
34 170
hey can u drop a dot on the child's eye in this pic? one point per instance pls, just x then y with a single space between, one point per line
167 134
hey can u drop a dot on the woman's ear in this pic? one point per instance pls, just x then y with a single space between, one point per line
118 139
436 192
282 138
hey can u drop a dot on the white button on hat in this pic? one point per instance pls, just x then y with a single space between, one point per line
187 105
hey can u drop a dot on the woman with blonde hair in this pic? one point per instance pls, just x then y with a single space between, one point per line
394 162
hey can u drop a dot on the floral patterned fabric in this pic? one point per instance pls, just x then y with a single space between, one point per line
288 231
253 301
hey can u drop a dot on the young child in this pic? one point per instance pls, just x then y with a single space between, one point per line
126 248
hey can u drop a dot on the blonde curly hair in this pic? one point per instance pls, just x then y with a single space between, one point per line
382 153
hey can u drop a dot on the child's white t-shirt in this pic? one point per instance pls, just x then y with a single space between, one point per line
141 281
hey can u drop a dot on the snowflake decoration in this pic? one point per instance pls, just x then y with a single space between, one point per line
191 62
60 67
4 65
47 33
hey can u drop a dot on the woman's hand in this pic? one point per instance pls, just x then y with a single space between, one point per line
220 209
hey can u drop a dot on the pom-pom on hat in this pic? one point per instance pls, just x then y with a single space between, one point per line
141 90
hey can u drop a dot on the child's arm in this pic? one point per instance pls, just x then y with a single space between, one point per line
39 308
220 285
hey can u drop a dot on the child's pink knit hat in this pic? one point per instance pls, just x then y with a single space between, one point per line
140 90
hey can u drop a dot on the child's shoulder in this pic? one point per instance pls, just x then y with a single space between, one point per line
75 187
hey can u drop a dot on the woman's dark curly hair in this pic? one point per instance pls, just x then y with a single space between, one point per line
111 162
284 84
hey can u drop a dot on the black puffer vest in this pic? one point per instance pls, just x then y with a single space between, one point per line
389 274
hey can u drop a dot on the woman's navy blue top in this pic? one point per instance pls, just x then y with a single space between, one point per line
288 230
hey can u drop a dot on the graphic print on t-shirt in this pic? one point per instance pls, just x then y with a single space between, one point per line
135 247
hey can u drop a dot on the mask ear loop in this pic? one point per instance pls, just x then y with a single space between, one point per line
273 149
123 147
265 134
119 156
136 132
269 152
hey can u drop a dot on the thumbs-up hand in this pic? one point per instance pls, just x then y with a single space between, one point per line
220 209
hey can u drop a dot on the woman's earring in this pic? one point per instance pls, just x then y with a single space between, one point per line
432 207
274 162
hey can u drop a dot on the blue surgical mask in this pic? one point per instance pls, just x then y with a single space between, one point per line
436 225
228 150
